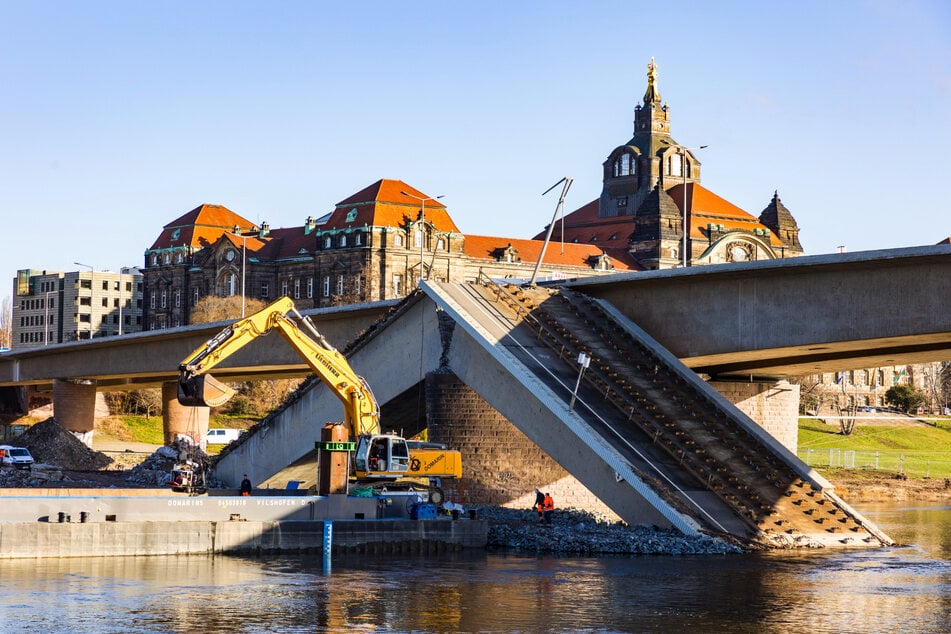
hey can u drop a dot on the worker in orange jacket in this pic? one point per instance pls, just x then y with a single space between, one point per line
539 505
548 508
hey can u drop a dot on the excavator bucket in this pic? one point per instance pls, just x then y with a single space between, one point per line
203 390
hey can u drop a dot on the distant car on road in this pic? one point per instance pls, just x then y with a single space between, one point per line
18 457
221 436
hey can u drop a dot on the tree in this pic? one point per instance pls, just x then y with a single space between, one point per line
846 418
937 379
136 402
6 323
211 308
811 394
905 398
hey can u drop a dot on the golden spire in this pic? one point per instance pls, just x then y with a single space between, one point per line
652 94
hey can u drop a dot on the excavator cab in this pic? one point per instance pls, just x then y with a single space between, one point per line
382 457
202 390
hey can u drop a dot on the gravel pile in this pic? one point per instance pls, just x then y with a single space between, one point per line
51 443
579 532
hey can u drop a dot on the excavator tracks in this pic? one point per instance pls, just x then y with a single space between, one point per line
775 506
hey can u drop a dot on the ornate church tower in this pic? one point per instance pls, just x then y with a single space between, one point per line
650 158
651 194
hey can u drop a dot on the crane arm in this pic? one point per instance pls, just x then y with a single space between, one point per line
196 387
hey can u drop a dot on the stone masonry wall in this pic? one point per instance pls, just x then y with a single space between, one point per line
500 464
774 406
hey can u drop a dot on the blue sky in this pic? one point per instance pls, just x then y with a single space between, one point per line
119 117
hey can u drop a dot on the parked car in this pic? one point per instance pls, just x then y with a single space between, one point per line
18 457
221 436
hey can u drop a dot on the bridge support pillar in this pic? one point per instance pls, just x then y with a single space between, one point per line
500 465
774 405
182 420
74 407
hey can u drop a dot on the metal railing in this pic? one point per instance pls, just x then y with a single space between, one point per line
918 464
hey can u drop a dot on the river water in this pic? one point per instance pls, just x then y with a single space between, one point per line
901 589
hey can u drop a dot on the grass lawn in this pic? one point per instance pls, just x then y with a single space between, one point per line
149 430
916 450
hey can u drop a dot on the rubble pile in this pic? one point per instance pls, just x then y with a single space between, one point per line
51 443
578 532
156 470
40 475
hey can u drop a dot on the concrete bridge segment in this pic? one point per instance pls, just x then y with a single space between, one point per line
72 373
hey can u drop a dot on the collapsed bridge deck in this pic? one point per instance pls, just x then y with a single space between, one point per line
681 438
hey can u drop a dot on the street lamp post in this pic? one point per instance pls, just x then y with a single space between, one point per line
92 294
683 169
422 228
244 248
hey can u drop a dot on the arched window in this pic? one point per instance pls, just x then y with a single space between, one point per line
624 165
675 165
328 242
398 240
343 240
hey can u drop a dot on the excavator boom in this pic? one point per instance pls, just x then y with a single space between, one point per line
378 457
196 387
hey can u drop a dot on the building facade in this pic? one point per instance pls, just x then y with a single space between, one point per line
651 191
56 307
865 388
374 245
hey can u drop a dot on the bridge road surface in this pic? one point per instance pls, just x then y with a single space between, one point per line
633 445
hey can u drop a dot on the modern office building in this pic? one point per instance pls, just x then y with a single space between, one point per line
54 307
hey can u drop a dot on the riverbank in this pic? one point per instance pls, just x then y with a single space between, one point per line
580 533
857 485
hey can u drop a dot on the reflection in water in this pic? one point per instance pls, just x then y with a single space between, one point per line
897 589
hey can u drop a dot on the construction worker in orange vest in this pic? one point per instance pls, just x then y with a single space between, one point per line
540 505
548 507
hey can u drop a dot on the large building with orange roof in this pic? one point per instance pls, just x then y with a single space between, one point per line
374 245
651 191
378 242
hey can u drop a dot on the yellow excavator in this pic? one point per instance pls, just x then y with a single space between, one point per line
378 457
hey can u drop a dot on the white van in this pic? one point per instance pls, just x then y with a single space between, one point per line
221 436
18 457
